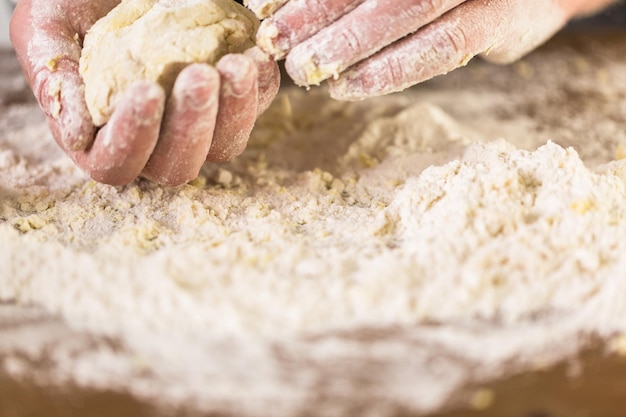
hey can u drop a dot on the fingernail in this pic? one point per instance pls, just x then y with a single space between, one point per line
257 54
265 65
269 39
305 69
239 87
238 81
198 90
198 98
148 106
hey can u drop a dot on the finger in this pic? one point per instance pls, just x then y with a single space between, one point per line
268 77
448 43
532 26
237 107
297 21
61 96
123 146
187 129
359 34
264 8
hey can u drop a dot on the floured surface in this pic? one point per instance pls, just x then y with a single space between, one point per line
350 258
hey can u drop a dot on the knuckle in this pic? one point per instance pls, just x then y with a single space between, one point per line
457 38
395 70
351 38
427 9
431 6
321 7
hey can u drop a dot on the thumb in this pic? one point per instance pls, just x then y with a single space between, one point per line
61 95
49 50
525 26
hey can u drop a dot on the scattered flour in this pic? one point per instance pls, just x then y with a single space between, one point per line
393 215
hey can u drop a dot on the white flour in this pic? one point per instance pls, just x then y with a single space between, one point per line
356 216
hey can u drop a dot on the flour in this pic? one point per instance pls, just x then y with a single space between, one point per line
398 215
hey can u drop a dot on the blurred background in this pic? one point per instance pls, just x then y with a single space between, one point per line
614 17
4 24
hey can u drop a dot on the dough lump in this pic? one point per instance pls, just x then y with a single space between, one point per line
154 40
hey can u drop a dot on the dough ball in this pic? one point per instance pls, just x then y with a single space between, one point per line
154 40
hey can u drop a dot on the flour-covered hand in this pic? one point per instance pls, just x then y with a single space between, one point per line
209 115
374 47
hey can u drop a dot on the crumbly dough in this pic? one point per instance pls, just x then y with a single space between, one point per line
154 40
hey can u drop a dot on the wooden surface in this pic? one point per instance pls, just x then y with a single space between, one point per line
592 383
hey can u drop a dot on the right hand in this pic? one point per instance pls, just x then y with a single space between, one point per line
208 117
366 48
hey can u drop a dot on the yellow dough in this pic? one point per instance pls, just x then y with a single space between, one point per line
154 40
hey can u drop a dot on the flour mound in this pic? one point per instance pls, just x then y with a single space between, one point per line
397 241
381 236
154 40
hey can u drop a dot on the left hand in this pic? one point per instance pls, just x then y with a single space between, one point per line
209 115
375 47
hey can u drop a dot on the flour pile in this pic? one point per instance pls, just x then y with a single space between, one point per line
359 216
264 248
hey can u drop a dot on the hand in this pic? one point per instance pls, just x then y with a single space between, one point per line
374 47
209 115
